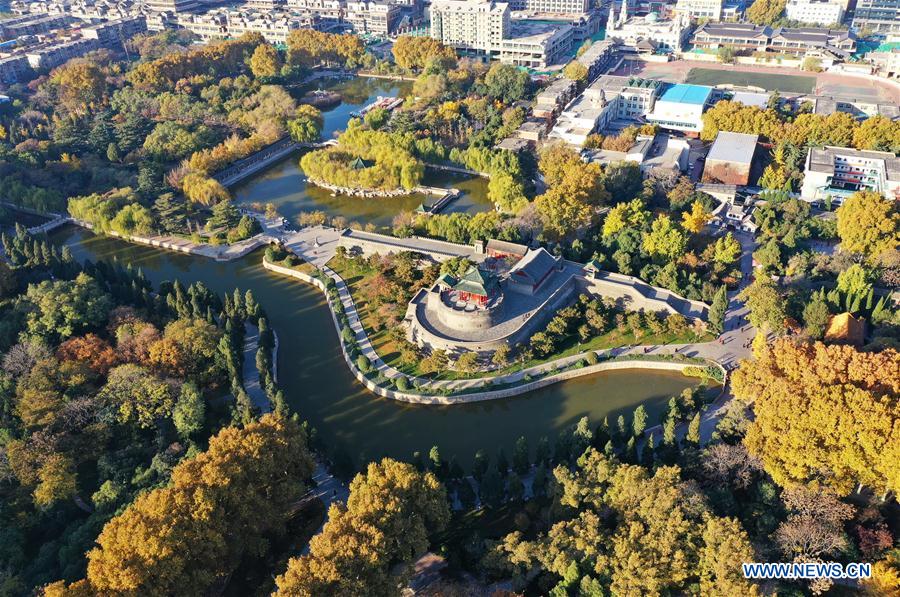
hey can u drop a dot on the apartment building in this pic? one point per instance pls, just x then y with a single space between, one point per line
173 6
209 26
557 7
879 16
761 38
31 24
815 12
373 17
50 56
599 57
217 24
470 25
834 173
484 28
274 27
699 9
554 98
15 69
329 12
114 34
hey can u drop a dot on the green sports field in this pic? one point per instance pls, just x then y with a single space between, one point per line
784 83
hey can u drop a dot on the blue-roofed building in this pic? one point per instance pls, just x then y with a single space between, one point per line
681 106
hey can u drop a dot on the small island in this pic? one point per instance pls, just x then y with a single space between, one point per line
366 162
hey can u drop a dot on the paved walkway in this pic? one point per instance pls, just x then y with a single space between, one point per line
328 489
316 244
250 373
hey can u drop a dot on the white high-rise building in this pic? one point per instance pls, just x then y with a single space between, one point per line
469 24
815 12
484 28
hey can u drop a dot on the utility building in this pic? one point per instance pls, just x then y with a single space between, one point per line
730 159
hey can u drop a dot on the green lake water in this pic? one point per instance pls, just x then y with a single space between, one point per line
349 418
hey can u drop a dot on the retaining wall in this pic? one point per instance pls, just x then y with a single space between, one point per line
372 243
482 395
221 253
641 295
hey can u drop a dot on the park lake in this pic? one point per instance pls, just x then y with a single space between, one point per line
352 422
284 184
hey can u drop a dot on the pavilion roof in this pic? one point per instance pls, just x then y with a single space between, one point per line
477 282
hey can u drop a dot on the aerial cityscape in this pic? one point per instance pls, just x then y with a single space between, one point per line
450 298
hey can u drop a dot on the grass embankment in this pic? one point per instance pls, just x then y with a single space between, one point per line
388 348
293 262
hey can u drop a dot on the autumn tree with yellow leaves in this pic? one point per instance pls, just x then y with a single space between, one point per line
184 538
632 532
825 416
574 189
869 224
414 53
391 510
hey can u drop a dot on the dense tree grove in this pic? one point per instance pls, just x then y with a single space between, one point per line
108 391
825 415
116 136
367 546
387 161
658 538
135 457
219 506
417 53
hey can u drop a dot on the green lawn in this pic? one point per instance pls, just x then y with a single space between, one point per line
387 348
785 83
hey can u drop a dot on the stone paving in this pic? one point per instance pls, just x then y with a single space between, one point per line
316 244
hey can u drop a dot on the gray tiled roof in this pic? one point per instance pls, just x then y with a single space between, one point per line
821 159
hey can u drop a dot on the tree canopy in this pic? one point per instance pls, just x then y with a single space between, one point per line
633 533
826 416
391 510
184 537
869 224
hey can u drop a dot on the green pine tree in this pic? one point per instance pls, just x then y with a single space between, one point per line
224 215
717 311
170 213
647 454
639 421
816 315
693 432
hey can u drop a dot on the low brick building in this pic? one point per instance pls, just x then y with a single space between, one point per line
730 159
